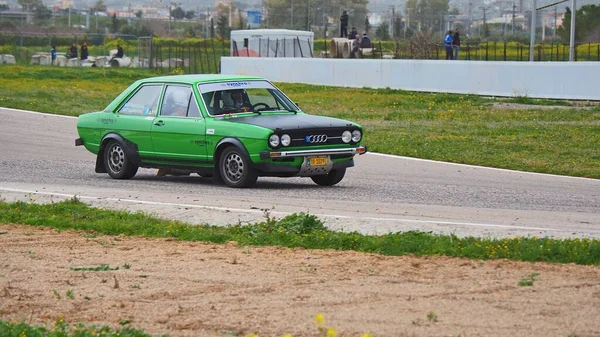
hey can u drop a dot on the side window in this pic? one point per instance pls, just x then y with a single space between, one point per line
144 102
176 101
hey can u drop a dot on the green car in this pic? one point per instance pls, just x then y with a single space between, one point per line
232 128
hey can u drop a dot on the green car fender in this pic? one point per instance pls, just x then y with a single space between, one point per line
130 149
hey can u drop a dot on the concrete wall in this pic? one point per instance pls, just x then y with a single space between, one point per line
559 80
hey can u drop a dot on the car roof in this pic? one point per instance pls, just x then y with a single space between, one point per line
198 78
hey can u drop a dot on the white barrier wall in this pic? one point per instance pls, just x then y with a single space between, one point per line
559 80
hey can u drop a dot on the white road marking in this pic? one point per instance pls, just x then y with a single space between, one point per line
476 166
241 210
37 113
379 154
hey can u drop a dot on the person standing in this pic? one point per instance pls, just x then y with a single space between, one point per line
53 54
344 24
448 45
84 51
456 43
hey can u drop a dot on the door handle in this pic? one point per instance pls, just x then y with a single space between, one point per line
159 123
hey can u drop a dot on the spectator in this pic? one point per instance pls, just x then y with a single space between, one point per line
353 34
53 54
448 45
365 42
456 43
344 24
84 51
73 51
119 53
355 47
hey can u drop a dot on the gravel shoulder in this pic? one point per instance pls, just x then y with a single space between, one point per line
195 289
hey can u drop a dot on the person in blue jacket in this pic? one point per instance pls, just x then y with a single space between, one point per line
448 44
53 54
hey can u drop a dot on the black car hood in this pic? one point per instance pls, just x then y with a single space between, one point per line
292 121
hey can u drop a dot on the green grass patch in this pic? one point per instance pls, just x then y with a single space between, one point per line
299 230
62 329
438 126
102 267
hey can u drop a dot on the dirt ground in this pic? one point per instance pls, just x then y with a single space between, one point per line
194 289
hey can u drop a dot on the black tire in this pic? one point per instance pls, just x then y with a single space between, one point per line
235 168
117 163
330 179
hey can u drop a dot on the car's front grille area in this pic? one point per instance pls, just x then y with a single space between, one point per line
316 137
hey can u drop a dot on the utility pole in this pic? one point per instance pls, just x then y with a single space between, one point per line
292 10
484 21
393 27
532 31
307 15
555 15
572 35
470 18
513 18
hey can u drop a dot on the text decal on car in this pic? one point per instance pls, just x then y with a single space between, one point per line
236 84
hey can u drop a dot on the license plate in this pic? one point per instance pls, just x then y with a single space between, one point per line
317 161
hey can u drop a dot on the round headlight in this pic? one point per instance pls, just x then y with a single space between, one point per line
356 136
346 136
286 140
274 140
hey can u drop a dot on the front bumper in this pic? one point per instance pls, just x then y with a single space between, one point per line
317 152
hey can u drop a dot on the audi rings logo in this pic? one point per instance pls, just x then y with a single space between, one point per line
316 139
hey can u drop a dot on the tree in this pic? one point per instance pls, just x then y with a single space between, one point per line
426 14
139 14
223 26
115 23
37 7
383 31
42 12
587 24
212 28
30 5
398 26
98 7
241 20
178 13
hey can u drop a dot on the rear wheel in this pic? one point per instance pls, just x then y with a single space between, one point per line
117 163
235 168
330 179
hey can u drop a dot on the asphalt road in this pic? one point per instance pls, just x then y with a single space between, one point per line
39 162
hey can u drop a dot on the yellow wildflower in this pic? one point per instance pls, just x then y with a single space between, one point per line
320 320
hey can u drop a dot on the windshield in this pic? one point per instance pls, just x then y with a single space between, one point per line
244 96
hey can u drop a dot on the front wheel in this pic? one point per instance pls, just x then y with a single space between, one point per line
236 169
117 163
330 179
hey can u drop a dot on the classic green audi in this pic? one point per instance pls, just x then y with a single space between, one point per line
229 127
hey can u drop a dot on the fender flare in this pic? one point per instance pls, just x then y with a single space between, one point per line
130 148
220 147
